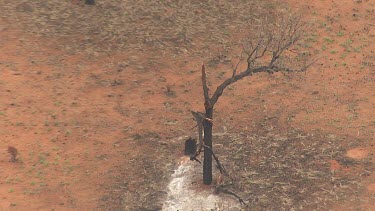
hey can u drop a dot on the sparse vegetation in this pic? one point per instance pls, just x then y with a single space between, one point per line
340 33
333 51
328 40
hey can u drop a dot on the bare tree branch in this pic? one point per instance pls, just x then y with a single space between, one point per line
239 62
276 43
303 69
205 88
195 159
221 188
285 69
227 82
288 34
220 166
259 50
199 119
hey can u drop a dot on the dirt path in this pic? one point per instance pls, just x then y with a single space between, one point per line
96 129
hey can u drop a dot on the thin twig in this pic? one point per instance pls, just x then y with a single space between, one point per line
220 166
199 119
195 159
238 63
277 43
221 188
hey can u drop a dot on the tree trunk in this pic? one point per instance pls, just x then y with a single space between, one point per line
207 162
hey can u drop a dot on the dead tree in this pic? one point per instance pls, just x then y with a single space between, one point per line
268 52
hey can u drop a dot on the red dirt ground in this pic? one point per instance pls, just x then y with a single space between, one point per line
69 117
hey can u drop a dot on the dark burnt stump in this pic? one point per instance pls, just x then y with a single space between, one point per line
190 147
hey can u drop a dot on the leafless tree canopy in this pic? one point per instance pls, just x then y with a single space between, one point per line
269 50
